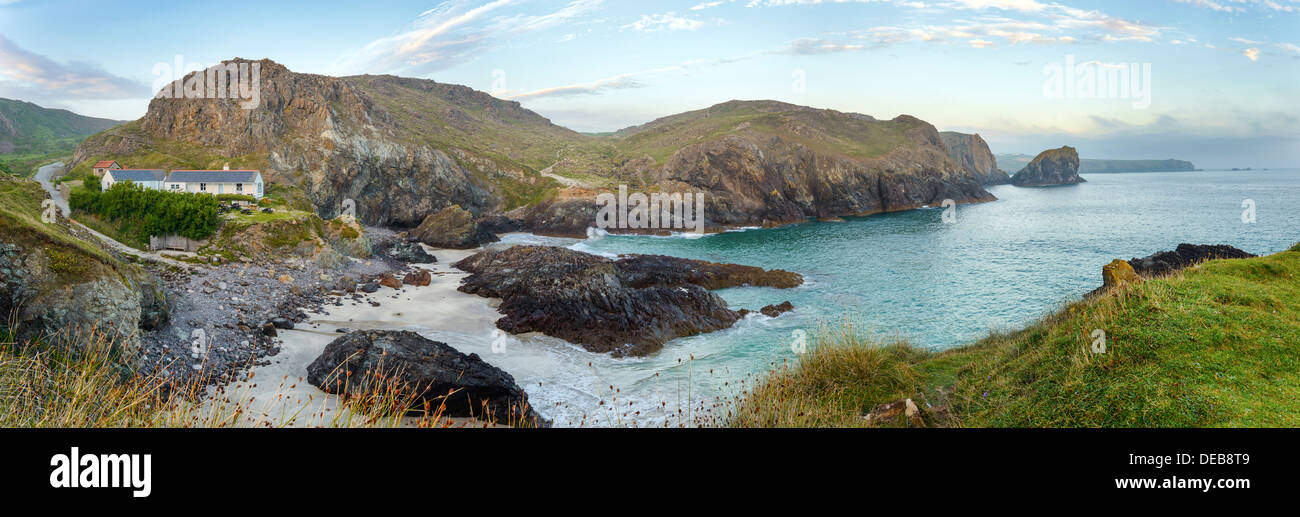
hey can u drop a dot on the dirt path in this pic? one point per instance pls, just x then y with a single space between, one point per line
44 175
567 182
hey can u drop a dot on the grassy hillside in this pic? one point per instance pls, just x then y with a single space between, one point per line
31 135
832 132
1216 345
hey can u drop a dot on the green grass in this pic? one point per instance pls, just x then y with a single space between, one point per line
1216 345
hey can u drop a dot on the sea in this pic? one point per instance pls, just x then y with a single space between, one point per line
915 276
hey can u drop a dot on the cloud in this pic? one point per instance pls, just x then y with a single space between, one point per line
980 43
623 81
665 21
452 33
1251 53
1209 4
816 46
31 76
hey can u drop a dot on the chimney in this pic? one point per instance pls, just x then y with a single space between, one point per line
226 168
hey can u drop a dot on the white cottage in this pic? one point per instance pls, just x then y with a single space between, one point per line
245 182
147 178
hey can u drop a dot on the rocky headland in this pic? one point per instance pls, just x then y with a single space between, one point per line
1050 167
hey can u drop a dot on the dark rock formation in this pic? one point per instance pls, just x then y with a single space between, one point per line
639 271
411 253
374 362
1050 167
775 310
973 154
452 227
627 307
1165 262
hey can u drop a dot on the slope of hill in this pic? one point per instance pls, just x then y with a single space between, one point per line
30 133
405 148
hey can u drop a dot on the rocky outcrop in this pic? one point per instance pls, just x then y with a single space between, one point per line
640 271
1121 272
778 309
410 252
398 148
1185 255
430 373
452 227
631 306
1050 167
973 154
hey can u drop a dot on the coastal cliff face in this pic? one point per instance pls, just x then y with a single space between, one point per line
55 283
400 148
973 154
1050 167
404 149
765 163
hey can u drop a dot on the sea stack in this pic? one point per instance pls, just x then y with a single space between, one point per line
1050 167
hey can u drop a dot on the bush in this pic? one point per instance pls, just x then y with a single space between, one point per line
236 197
159 213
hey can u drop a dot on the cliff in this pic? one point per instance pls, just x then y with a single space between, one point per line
973 154
1050 167
767 163
404 149
400 148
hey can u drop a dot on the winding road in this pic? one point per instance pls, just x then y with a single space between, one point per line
45 175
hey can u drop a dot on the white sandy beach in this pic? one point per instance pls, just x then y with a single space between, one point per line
278 394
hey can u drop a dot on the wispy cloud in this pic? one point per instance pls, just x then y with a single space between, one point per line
31 76
623 81
1251 53
665 21
452 33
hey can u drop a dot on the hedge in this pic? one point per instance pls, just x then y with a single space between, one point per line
159 212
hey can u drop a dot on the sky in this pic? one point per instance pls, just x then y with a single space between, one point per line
1216 82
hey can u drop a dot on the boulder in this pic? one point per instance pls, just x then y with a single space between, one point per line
452 227
431 373
370 287
268 329
1118 273
411 253
773 311
390 281
282 323
1050 167
627 307
418 278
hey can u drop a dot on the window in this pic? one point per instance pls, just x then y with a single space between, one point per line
203 187
239 187
176 186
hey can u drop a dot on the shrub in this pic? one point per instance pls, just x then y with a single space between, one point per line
158 212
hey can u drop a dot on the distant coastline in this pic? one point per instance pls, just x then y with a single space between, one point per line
1014 162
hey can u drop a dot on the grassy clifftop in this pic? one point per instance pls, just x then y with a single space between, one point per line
1217 345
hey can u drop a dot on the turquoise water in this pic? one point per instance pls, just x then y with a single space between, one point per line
908 275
